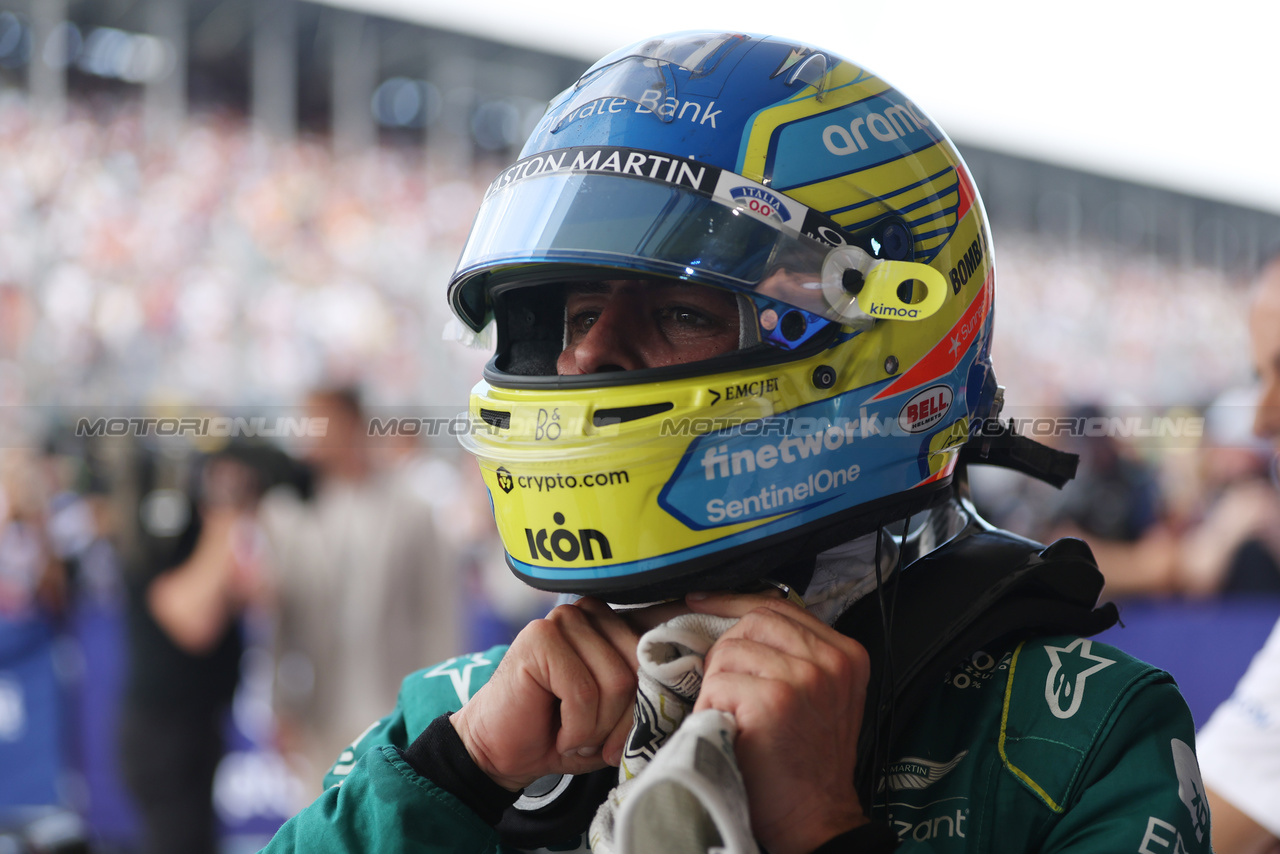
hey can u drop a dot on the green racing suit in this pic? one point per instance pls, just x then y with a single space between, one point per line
1054 744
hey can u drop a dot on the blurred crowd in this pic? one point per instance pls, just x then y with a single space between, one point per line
297 586
223 269
219 266
1174 502
1101 325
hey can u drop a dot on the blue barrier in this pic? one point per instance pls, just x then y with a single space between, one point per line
1206 645
99 634
31 730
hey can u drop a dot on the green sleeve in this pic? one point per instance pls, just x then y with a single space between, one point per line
383 805
1140 790
375 801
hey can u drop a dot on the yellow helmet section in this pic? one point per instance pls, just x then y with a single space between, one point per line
577 483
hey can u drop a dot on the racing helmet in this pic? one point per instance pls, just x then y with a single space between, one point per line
848 230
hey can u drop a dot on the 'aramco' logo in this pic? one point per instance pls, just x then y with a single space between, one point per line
563 544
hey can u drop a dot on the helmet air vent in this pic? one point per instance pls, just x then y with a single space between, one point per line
813 71
622 414
496 418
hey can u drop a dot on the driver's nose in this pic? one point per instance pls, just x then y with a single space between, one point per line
608 345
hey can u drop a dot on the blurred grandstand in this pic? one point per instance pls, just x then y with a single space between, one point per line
219 204
219 201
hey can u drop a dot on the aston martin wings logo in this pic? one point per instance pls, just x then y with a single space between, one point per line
912 772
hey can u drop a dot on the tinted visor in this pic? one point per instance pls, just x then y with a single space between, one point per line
645 213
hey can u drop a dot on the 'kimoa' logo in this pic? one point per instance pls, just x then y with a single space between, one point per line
880 309
563 544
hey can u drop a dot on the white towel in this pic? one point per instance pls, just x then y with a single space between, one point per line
690 798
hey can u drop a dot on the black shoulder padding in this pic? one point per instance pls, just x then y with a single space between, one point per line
990 586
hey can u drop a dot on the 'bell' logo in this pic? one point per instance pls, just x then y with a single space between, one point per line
563 544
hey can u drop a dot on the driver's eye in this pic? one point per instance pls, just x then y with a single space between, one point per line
685 316
580 322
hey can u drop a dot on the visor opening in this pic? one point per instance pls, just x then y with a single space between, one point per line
622 414
496 418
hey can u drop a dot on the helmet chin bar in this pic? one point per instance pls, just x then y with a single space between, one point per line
786 562
787 558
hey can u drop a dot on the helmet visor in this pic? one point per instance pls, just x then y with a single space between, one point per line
653 214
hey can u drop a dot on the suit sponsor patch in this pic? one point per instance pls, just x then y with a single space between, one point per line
1072 665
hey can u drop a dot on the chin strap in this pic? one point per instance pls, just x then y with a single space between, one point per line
998 444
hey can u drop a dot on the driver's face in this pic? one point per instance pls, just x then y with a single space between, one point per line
628 324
